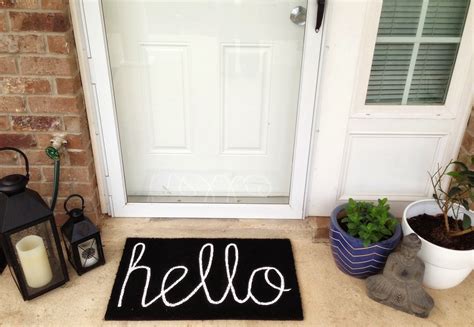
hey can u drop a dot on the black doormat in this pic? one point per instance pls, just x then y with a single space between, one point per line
187 279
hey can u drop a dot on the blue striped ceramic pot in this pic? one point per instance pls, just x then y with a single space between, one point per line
351 256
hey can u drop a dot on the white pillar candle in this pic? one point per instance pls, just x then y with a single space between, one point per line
34 261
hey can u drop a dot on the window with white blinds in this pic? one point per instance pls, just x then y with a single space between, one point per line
415 52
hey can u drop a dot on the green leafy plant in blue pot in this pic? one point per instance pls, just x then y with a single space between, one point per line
362 235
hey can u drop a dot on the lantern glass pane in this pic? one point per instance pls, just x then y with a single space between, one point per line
14 276
69 252
3 260
88 253
37 255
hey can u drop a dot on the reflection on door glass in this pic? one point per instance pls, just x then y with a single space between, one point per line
206 95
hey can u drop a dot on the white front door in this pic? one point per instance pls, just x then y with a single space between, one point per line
205 106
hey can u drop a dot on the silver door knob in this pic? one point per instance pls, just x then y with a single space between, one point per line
298 16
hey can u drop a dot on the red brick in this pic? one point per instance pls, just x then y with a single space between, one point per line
72 203
8 158
3 25
44 140
468 143
39 27
92 210
86 189
19 4
46 188
12 104
36 123
80 157
322 229
89 201
7 65
470 125
53 4
68 85
48 66
75 124
60 217
91 167
6 43
31 44
22 85
35 172
78 142
61 44
7 4
68 174
4 123
96 217
322 222
39 22
22 43
18 140
463 156
55 104
39 157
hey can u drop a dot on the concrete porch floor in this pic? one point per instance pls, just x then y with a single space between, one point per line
329 297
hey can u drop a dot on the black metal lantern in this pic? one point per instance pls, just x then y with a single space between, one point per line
29 237
3 260
82 239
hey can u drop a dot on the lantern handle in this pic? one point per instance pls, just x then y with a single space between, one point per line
27 165
72 196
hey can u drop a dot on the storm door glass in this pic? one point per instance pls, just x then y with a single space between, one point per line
206 94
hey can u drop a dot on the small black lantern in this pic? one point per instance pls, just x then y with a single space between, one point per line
29 237
82 239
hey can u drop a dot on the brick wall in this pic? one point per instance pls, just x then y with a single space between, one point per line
467 147
40 95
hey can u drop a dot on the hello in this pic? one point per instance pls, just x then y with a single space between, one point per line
167 285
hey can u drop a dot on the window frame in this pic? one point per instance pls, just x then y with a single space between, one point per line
456 87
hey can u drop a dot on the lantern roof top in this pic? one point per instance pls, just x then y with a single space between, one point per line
78 229
21 209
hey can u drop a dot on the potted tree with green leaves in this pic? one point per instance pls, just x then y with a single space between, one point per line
362 235
445 226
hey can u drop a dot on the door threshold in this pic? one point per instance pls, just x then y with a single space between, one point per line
209 199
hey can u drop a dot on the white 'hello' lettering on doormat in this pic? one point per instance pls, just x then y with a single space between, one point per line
205 279
134 266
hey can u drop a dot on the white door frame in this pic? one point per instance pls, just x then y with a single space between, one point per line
97 82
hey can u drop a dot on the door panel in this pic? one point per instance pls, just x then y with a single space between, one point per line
246 73
166 94
206 94
363 171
